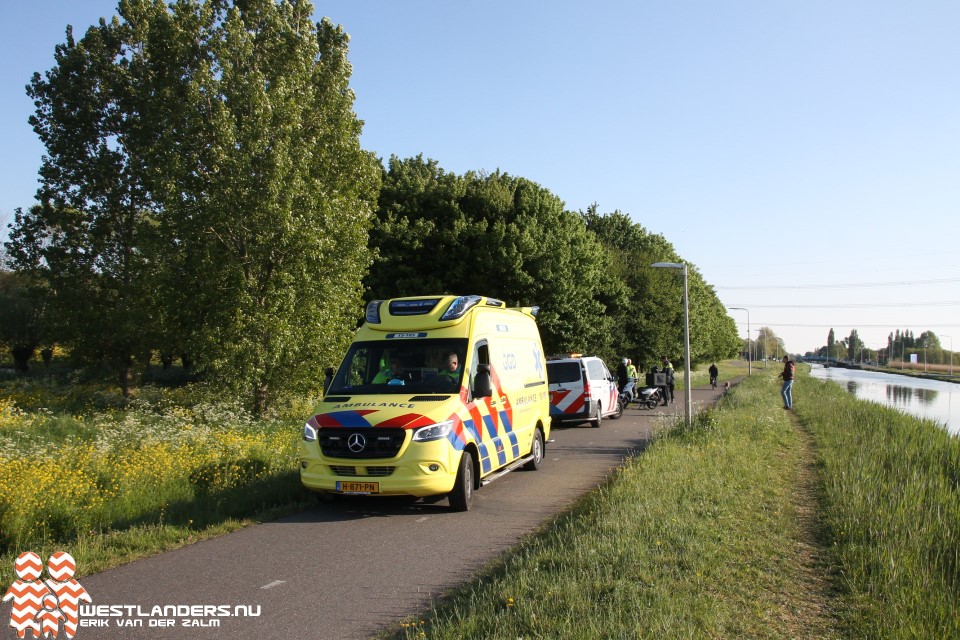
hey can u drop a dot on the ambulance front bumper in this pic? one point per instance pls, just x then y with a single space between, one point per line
420 469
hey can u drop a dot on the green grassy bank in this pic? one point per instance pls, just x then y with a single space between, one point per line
892 511
840 519
698 537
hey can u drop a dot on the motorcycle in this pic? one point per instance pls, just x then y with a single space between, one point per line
648 397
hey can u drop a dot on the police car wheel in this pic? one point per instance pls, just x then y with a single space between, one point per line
462 494
595 423
619 412
537 450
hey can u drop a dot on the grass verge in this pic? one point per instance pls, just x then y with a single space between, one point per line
111 485
892 510
699 537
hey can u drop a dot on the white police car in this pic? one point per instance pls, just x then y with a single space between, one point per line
581 390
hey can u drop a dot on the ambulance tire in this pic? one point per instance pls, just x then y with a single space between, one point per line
537 450
462 494
595 423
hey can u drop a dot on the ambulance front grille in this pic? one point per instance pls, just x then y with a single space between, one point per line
344 470
369 443
380 471
341 470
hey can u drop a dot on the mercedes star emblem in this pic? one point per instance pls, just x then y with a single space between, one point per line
356 442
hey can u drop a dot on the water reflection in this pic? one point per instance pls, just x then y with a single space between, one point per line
898 394
931 399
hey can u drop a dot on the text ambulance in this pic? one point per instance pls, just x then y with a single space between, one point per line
436 395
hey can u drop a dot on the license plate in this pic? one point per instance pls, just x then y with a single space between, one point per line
358 487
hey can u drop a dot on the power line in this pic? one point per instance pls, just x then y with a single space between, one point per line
865 305
853 285
855 325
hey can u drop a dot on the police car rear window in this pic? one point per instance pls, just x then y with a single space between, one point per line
559 372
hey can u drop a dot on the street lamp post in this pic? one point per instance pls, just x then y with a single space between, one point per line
688 407
749 363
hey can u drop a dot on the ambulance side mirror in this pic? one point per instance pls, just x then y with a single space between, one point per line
482 386
328 379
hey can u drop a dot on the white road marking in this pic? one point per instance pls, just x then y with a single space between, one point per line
275 583
423 519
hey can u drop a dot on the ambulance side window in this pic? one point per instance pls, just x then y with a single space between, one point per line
481 355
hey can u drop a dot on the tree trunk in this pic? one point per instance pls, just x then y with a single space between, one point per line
126 376
21 355
260 399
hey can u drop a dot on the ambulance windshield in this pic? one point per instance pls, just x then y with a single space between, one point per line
407 365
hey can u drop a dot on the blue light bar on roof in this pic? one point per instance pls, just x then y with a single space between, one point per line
412 307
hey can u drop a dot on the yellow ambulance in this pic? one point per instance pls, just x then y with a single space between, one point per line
437 395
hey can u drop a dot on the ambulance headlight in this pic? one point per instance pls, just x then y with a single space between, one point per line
433 432
309 433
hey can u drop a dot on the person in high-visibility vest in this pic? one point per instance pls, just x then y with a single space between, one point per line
450 368
393 372
668 369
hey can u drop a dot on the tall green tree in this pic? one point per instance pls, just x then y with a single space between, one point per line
206 189
769 344
651 322
88 236
495 235
854 345
267 223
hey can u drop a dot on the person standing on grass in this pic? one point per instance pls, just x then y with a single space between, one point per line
787 390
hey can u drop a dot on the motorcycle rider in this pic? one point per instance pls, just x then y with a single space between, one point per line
622 375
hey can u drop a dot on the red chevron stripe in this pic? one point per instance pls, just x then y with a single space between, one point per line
27 556
74 589
19 617
407 421
20 589
64 568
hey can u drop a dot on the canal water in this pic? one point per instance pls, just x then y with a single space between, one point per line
931 399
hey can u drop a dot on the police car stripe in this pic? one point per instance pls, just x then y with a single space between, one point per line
566 401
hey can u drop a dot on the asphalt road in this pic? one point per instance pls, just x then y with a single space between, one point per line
345 570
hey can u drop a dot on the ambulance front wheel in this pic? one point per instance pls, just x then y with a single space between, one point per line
536 451
462 494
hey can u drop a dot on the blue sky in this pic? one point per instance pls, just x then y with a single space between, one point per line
805 156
